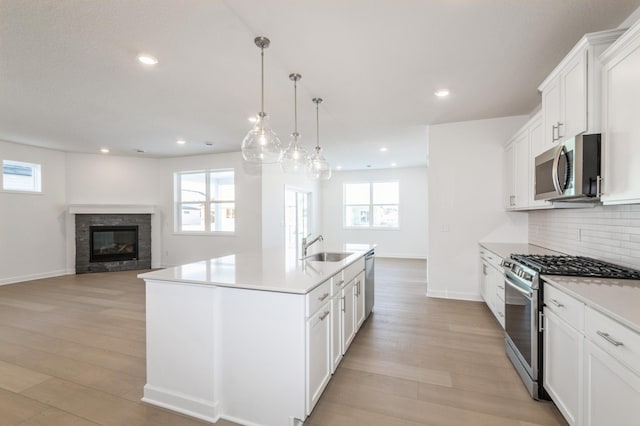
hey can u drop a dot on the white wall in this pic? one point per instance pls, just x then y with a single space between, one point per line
466 202
109 179
274 182
180 248
409 241
32 226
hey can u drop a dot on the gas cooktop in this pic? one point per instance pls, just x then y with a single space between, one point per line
575 266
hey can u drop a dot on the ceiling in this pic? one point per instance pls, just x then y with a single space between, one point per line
69 78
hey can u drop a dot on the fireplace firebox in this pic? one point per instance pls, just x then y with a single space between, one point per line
113 243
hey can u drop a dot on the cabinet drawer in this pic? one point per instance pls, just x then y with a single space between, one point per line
317 297
566 307
491 258
616 339
352 270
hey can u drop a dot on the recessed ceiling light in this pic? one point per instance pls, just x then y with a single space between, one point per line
147 59
181 141
393 164
384 149
442 93
104 150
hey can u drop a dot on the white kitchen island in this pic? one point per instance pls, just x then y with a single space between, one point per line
253 337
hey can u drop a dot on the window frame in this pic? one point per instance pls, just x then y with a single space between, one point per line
371 206
208 202
37 170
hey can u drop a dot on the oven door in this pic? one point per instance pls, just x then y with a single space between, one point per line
521 325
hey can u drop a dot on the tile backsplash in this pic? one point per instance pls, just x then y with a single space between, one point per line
610 233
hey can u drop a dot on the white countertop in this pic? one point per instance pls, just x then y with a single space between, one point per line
618 299
267 269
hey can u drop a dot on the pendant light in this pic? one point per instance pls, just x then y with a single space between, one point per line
294 158
318 167
261 145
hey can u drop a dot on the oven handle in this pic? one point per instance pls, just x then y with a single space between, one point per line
527 294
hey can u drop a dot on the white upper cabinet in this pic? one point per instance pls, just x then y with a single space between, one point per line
571 93
520 153
621 120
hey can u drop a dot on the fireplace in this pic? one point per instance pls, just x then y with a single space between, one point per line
113 243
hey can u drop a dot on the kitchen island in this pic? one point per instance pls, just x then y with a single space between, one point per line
252 337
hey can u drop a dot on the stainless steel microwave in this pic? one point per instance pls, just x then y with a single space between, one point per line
570 171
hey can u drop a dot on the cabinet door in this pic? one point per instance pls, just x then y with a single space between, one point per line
574 98
318 354
358 289
509 179
621 138
497 277
551 113
563 352
348 316
336 331
536 147
484 278
521 170
612 391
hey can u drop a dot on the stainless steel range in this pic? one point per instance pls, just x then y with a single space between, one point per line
524 303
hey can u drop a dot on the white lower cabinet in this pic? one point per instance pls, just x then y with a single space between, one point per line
612 391
563 349
348 317
591 363
492 283
318 354
336 331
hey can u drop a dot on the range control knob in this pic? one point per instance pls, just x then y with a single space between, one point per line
506 264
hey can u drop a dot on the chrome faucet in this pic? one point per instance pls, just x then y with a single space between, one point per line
306 243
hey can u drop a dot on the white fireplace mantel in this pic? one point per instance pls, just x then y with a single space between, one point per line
111 209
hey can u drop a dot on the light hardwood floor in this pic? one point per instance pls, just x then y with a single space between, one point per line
72 353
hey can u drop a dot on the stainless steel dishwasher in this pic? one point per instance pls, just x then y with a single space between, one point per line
369 283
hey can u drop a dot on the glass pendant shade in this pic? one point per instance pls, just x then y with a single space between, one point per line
294 159
261 145
318 167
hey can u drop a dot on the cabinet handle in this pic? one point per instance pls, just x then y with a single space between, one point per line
559 135
553 133
501 314
558 304
599 186
339 283
501 287
323 316
484 269
324 296
609 339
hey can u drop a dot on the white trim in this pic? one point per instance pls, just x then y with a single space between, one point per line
198 408
111 209
454 295
39 276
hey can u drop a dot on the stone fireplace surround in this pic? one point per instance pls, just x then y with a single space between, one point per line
82 216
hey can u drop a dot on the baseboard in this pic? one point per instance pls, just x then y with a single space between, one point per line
455 295
31 277
198 408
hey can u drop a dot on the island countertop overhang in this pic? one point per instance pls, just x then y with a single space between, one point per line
272 269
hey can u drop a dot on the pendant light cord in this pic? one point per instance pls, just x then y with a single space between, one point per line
295 107
262 81
317 126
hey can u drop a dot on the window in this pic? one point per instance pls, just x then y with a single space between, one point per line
371 205
296 217
19 176
205 201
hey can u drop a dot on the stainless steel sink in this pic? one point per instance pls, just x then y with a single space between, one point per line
327 257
